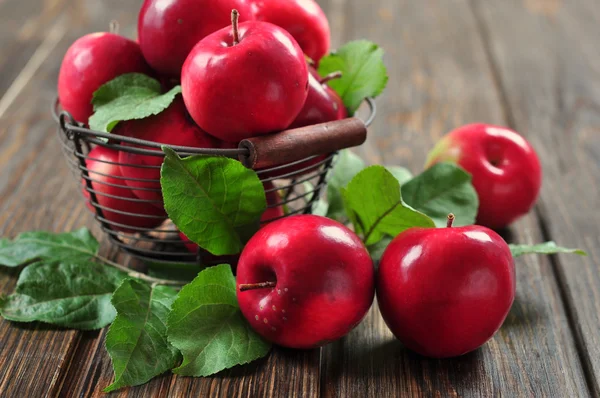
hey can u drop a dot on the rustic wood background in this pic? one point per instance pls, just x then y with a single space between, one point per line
533 65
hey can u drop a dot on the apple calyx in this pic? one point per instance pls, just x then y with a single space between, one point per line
451 218
235 16
330 77
253 286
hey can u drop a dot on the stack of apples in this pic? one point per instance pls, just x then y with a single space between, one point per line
246 68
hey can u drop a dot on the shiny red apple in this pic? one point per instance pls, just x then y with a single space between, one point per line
304 19
169 29
90 62
506 170
170 127
304 281
114 197
444 292
246 80
321 104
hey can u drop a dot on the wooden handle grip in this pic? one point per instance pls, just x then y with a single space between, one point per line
292 145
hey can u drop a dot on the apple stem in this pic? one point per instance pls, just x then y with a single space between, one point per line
113 27
254 286
235 16
450 220
330 77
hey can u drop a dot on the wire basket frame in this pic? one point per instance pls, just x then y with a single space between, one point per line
292 188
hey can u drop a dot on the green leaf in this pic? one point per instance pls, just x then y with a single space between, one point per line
47 246
363 72
137 339
374 204
207 326
127 97
442 189
542 248
173 271
216 202
402 174
346 167
376 250
73 295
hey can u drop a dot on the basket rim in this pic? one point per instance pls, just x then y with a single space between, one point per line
70 126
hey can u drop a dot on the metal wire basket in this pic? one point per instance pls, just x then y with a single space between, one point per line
297 184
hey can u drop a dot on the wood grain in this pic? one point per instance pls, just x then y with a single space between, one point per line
548 68
440 79
23 34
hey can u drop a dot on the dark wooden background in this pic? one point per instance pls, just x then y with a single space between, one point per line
533 65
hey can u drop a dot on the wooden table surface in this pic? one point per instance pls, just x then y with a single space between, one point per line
533 65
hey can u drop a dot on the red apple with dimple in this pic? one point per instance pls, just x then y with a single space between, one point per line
444 292
506 170
246 80
170 127
114 197
304 281
92 61
169 29
303 19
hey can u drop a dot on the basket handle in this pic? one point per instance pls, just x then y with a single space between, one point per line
296 144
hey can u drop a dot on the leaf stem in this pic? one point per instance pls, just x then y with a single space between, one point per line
331 76
254 286
384 215
139 275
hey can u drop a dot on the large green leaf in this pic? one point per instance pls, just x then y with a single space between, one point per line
37 246
542 248
128 97
207 326
363 72
73 295
374 204
346 167
137 339
216 202
442 189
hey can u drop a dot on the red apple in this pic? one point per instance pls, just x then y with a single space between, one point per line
245 81
169 29
170 127
322 105
304 281
506 170
114 197
444 292
271 214
304 19
90 62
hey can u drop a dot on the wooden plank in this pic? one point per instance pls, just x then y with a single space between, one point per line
24 28
557 107
440 79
